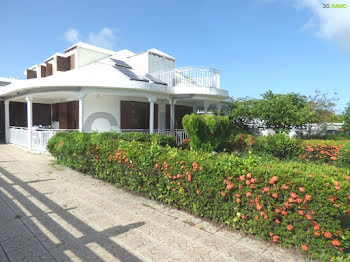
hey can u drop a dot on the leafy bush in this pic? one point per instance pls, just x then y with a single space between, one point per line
279 145
238 142
206 132
344 156
291 203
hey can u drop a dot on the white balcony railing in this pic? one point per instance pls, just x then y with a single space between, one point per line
190 76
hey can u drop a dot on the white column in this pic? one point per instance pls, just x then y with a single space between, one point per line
151 100
172 116
7 121
161 117
219 109
29 121
81 114
205 109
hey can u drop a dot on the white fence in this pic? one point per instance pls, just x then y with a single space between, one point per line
180 134
192 76
39 137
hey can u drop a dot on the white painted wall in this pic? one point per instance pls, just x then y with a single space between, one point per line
102 103
139 62
85 56
157 63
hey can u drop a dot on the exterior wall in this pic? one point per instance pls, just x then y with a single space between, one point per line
86 56
157 63
2 121
101 113
139 62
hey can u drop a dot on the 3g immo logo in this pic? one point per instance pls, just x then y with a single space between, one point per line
334 6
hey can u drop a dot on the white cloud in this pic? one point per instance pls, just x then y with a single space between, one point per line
72 36
332 24
106 37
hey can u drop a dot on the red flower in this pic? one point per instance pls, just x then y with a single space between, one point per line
243 216
249 175
248 194
284 213
197 192
289 227
317 227
229 186
300 212
266 189
242 177
304 247
271 234
335 242
275 195
277 210
237 195
316 233
223 193
189 177
308 217
258 207
247 182
285 187
331 199
293 195
238 200
156 165
327 234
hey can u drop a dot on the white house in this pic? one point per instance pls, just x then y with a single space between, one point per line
89 88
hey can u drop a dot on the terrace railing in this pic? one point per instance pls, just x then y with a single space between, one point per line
190 76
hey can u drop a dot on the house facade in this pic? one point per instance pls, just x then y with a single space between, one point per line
88 88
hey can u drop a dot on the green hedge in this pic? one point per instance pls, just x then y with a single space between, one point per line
292 203
206 132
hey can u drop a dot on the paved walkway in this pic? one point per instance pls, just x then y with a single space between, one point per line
51 213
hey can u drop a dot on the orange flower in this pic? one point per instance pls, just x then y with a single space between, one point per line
333 158
189 177
331 199
277 221
285 187
317 227
266 189
293 195
275 239
249 175
271 234
277 210
258 207
247 182
284 213
309 175
275 195
243 216
248 194
197 192
337 187
335 242
308 217
223 193
327 234
316 233
238 200
307 198
304 247
156 165
301 189
229 186
237 195
252 186
273 180
242 177
300 212
289 227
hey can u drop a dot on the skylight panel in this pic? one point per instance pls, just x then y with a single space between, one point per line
155 80
121 63
130 74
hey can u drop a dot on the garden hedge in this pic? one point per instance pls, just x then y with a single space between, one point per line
290 203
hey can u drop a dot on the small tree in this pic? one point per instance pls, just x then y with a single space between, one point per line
243 111
346 125
284 111
324 108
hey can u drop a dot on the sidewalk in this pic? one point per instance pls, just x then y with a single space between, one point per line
52 213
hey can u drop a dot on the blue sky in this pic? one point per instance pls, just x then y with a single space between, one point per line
284 46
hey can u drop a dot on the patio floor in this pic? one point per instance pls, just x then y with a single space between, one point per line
52 213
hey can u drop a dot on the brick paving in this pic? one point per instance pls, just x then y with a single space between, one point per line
51 213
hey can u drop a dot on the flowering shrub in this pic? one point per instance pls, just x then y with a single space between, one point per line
290 203
326 151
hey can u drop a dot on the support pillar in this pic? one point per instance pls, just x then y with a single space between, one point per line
151 100
7 121
81 113
29 121
172 116
219 109
161 117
